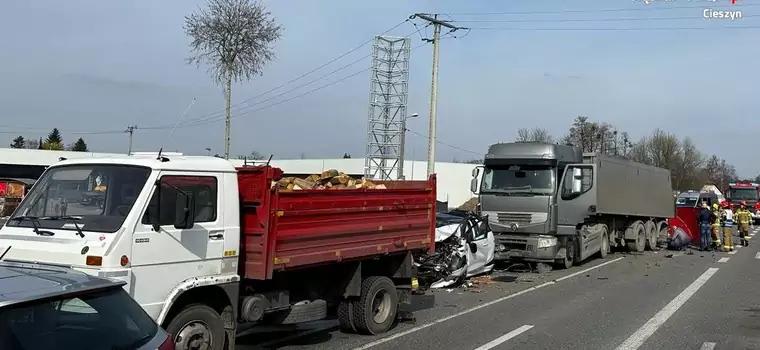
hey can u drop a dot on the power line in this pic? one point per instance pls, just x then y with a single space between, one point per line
209 121
299 77
625 19
643 8
616 29
445 144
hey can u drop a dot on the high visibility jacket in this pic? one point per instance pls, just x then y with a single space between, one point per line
728 218
717 214
743 216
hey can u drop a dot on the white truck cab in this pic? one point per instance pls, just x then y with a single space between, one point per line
170 228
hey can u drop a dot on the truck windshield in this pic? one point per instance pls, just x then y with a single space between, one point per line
518 178
97 196
744 194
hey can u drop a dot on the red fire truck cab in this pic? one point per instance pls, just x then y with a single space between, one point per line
748 192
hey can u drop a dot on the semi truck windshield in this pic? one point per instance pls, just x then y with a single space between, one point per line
518 177
99 196
744 194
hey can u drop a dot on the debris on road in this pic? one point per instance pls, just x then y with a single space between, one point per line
330 179
464 248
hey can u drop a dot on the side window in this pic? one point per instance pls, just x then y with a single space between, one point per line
585 180
202 188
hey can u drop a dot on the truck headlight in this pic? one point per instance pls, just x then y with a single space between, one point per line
546 242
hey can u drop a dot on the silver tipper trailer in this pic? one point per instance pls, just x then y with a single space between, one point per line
550 203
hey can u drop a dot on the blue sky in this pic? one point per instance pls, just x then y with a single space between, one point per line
98 66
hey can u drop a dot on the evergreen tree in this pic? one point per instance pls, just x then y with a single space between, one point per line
41 145
54 137
79 146
18 142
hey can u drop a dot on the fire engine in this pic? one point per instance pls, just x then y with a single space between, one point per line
748 192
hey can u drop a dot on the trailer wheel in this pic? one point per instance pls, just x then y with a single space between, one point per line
197 327
638 244
346 316
376 308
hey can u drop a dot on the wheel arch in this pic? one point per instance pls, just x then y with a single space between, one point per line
213 291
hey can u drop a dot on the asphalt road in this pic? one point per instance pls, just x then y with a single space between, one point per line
656 300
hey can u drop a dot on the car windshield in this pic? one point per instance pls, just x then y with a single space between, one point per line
98 196
104 320
687 200
518 178
744 194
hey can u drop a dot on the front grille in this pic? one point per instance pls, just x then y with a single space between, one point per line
515 244
519 218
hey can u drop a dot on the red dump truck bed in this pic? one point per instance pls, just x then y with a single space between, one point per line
295 229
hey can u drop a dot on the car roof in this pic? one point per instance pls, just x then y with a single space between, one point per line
22 282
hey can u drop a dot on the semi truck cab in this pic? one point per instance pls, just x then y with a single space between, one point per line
518 192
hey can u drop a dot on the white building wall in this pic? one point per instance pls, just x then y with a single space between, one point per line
453 178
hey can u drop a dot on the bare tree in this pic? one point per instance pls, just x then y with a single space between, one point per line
534 135
235 39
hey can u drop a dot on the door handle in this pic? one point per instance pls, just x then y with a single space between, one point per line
216 234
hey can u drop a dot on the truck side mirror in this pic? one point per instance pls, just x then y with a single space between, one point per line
474 185
475 172
184 217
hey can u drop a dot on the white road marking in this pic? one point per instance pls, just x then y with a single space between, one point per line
737 247
476 308
707 346
640 336
732 252
723 259
757 256
498 341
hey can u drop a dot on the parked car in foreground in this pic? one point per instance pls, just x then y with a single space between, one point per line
52 308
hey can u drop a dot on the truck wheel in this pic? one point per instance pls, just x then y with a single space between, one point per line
197 327
346 316
569 259
604 246
651 233
638 244
376 308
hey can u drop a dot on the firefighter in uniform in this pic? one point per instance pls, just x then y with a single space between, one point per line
744 219
728 224
716 225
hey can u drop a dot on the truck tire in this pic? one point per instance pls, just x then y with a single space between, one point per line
605 245
195 326
375 311
638 244
346 316
651 233
569 259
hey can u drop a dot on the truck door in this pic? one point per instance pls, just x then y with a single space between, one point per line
577 196
162 259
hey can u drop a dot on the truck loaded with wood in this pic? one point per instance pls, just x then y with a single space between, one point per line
205 246
551 203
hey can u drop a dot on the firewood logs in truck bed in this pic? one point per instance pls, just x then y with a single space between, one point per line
328 180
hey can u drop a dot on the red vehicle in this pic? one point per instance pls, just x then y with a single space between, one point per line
748 192
688 205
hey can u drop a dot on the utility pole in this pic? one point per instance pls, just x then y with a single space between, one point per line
437 24
130 130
